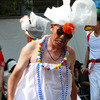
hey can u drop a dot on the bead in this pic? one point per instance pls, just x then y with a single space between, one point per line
64 60
55 67
66 56
67 53
59 65
39 46
39 53
38 49
45 67
48 68
62 63
52 68
42 65
40 43
38 57
38 60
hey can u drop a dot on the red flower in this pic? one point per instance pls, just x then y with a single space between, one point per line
68 28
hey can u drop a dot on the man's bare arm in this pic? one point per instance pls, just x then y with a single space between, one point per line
86 60
17 73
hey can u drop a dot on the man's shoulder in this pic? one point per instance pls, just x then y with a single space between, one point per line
32 43
88 35
29 47
70 49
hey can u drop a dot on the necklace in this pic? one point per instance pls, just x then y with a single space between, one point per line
39 55
63 87
51 56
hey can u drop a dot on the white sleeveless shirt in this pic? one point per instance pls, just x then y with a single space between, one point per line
27 88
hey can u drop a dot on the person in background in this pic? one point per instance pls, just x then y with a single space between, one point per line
35 27
2 64
84 82
9 66
81 80
92 57
77 68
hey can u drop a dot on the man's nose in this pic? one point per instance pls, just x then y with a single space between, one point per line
63 36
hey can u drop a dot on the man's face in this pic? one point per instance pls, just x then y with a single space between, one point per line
58 39
97 27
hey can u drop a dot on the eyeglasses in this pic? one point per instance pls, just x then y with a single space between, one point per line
60 32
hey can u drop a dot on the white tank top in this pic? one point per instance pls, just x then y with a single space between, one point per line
50 83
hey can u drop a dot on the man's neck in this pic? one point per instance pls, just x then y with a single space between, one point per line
97 33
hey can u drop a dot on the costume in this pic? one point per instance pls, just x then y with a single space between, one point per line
51 87
94 77
54 82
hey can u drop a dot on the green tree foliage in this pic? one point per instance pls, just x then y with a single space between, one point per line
12 7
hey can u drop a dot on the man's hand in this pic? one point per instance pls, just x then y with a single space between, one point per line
84 69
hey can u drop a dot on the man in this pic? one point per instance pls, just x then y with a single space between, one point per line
2 64
54 45
92 57
46 65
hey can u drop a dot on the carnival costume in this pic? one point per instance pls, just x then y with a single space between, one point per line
45 81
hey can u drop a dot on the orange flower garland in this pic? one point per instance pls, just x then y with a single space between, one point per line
68 28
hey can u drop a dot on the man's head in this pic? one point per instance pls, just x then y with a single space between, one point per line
61 34
97 27
98 17
11 63
80 13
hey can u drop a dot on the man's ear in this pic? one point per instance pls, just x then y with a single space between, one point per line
51 27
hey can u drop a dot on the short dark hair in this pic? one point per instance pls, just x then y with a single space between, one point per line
6 64
98 16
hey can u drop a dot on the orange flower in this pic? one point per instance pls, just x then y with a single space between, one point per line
68 28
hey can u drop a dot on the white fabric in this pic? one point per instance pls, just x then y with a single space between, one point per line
94 45
35 26
81 13
94 77
50 83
